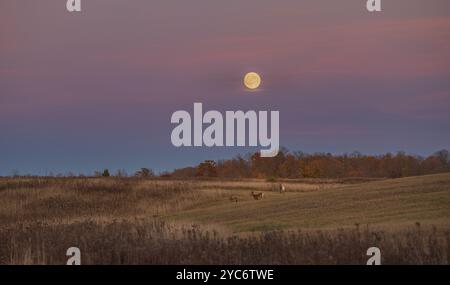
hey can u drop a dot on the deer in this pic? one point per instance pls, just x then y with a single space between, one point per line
281 188
257 195
234 198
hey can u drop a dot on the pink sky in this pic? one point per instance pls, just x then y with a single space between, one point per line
96 89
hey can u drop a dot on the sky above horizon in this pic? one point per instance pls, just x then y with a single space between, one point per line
96 89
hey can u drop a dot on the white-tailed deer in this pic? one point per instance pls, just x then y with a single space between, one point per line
257 195
234 198
281 188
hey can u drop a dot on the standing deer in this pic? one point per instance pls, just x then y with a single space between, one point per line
257 195
281 188
234 198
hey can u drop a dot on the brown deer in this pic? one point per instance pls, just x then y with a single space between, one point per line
257 195
281 188
234 198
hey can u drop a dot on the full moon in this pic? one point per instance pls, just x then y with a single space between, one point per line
252 80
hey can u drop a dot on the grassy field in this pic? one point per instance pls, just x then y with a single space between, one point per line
390 202
138 221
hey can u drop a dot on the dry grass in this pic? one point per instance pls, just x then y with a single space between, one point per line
388 202
133 221
156 242
66 199
261 185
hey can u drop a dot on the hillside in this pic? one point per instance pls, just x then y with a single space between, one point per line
392 202
146 221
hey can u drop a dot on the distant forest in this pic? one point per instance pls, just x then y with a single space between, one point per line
295 165
318 165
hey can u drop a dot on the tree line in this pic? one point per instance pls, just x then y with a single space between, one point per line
319 165
296 165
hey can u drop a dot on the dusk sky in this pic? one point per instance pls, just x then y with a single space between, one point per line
96 89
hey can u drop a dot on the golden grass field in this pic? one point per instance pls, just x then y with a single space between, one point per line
143 221
388 202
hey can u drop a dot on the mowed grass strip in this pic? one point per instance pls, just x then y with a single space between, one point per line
394 201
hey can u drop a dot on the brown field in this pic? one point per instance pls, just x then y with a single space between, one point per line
139 221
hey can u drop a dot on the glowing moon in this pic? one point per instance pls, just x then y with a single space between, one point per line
252 80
